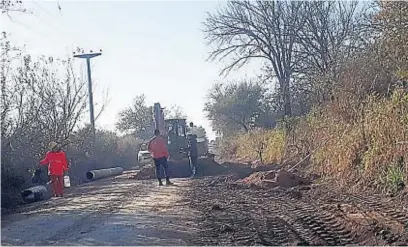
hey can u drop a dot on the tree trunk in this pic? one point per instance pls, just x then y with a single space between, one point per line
287 107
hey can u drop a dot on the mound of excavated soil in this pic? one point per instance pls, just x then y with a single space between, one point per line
281 178
146 172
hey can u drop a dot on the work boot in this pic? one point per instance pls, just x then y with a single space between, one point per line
160 182
168 182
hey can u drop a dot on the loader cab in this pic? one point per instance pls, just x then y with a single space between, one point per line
176 136
144 156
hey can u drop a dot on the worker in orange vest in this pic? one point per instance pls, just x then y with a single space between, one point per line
158 149
57 165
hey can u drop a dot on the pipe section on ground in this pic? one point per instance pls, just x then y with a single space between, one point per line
103 173
34 194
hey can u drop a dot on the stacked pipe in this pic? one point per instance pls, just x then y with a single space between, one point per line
103 173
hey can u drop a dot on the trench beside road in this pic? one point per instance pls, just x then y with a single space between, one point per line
112 211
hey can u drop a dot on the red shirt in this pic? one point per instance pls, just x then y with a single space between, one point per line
57 162
158 147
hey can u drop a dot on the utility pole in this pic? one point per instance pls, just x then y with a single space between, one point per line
88 57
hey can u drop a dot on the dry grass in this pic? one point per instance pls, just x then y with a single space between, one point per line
266 146
368 150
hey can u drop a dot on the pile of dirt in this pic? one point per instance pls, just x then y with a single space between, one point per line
275 178
146 172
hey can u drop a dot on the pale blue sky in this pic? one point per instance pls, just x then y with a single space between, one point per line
151 47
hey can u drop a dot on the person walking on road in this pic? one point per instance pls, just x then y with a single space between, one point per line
57 165
158 149
193 154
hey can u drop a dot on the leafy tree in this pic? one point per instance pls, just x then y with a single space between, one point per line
137 118
234 106
174 111
201 133
198 130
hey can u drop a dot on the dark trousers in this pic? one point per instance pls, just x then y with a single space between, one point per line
193 162
57 184
159 163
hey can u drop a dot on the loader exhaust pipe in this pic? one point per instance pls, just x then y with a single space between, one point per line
34 194
103 173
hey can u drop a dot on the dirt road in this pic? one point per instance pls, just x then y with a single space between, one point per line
117 211
206 211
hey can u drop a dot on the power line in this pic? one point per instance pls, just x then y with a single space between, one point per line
62 25
36 32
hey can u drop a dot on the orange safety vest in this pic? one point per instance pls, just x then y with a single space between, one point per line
158 147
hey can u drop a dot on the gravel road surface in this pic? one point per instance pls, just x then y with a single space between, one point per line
115 211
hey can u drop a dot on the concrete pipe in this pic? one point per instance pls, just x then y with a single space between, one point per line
103 173
34 194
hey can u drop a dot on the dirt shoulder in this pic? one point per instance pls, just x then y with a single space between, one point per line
118 211
215 210
232 214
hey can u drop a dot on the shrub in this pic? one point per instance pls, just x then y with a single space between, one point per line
266 146
369 150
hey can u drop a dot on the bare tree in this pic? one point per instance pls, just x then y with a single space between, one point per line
7 54
7 6
329 35
42 100
46 101
245 30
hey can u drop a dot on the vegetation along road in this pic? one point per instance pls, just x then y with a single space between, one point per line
205 211
311 145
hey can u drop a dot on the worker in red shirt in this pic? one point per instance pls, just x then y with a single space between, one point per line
158 149
57 165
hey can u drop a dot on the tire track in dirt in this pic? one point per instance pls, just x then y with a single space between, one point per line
237 215
386 218
393 212
243 222
322 225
